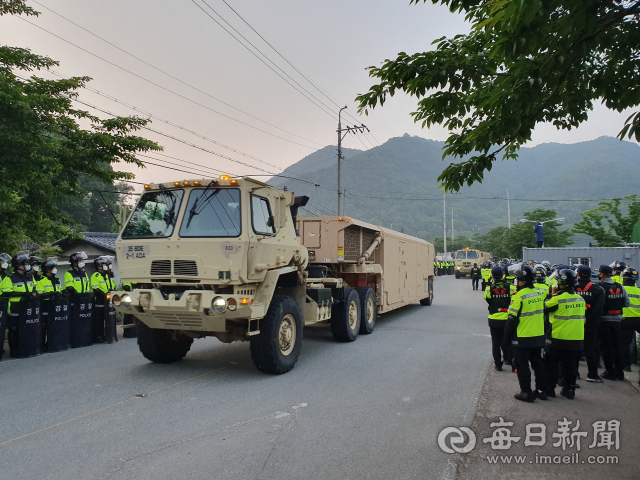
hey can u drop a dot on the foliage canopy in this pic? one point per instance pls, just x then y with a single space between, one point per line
607 224
524 62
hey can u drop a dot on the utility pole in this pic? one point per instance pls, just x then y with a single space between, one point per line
452 231
444 208
346 130
508 208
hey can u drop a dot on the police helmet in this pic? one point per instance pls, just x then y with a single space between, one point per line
497 272
100 262
584 271
49 264
523 273
77 257
540 273
567 278
630 273
618 267
5 258
21 259
35 260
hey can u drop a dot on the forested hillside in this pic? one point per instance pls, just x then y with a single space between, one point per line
396 184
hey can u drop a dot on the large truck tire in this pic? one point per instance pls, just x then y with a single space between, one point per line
429 300
277 347
368 309
161 346
345 317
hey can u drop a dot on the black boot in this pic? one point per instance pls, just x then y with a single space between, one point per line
540 395
525 397
569 393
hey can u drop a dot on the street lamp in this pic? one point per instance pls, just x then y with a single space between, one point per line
560 219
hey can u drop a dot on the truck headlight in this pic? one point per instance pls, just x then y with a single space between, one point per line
116 301
233 304
219 304
125 301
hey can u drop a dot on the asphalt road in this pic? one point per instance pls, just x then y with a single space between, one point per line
369 409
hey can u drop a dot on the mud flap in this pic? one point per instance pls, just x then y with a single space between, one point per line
58 325
81 321
110 335
29 336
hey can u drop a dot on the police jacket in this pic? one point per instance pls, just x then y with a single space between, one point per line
567 317
77 281
593 296
498 296
615 299
633 310
17 287
475 272
525 326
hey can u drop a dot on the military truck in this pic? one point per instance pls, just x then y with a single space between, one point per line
229 258
466 258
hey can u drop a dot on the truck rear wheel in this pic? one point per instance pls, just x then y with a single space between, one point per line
277 347
368 309
162 346
345 317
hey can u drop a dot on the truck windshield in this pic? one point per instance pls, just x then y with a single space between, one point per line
212 213
473 255
155 215
461 254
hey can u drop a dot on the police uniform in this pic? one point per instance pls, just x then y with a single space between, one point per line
17 287
630 320
525 328
567 318
77 280
593 295
101 284
45 287
610 345
498 296
476 275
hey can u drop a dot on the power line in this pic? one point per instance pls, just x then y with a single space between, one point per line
169 90
255 55
169 75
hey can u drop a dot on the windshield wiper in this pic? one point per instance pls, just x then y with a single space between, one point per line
193 212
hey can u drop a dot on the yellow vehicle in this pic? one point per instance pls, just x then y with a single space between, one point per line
464 260
224 258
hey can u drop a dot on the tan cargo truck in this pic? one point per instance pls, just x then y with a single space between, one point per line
466 258
223 258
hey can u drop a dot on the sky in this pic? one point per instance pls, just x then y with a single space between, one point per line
218 108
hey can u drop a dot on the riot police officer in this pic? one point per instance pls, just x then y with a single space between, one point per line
17 287
101 284
630 314
618 268
593 295
5 259
476 275
498 296
35 263
47 287
615 299
540 276
567 318
525 331
76 279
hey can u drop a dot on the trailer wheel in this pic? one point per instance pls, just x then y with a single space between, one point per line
162 346
277 348
345 317
429 300
368 309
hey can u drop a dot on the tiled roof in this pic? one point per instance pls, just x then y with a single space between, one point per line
97 239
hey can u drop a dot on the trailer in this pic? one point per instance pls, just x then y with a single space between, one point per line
223 257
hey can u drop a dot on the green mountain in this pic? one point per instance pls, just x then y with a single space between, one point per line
396 184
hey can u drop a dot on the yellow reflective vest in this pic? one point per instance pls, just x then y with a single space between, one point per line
527 305
633 310
567 317
77 279
16 283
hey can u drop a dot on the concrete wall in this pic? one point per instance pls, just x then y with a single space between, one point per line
593 256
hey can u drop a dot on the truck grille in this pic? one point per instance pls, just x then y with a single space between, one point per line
182 319
161 267
185 268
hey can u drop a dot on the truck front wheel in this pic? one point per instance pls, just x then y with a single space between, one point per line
345 317
277 347
162 346
368 309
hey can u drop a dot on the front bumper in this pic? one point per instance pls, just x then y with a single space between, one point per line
189 311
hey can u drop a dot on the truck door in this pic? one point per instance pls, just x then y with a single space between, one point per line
311 234
264 249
